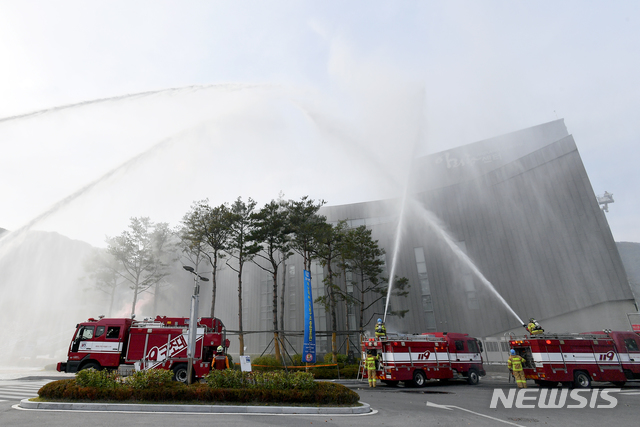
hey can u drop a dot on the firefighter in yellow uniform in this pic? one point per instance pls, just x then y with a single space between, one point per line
380 329
534 327
515 363
370 364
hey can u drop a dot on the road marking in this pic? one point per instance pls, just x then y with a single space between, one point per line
20 390
449 407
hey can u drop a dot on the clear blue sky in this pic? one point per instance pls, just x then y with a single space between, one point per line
343 77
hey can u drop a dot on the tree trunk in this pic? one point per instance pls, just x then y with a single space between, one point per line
332 308
346 311
284 282
276 342
213 284
135 299
240 336
361 305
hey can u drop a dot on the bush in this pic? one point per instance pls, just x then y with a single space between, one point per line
267 362
228 378
342 358
100 379
278 380
296 360
149 379
322 393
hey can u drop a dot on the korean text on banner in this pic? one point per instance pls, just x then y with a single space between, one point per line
309 349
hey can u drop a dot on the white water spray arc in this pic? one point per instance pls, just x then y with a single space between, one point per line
396 251
435 224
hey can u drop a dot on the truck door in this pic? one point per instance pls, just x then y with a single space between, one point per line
459 347
84 333
474 351
632 345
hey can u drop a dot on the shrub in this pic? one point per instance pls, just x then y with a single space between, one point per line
278 380
321 393
99 379
149 379
228 378
267 362
302 381
296 360
56 388
342 358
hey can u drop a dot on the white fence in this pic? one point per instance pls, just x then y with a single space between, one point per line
495 350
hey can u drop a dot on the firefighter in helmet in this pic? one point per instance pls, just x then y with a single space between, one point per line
534 327
370 364
380 329
220 360
514 363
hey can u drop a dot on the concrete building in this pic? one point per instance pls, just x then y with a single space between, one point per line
516 213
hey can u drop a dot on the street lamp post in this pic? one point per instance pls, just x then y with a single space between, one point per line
193 320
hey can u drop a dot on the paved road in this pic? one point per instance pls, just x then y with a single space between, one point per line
15 390
454 404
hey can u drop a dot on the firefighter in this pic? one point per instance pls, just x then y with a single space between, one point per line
370 364
381 330
514 363
534 327
220 361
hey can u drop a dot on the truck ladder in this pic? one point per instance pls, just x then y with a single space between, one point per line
564 362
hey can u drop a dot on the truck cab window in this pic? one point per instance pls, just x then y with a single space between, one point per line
86 333
631 344
459 346
473 347
99 331
113 332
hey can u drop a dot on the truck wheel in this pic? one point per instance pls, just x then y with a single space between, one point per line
91 365
180 373
581 380
419 378
472 377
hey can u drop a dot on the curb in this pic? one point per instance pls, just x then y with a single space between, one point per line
201 409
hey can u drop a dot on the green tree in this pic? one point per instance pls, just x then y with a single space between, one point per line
328 241
361 255
304 222
204 232
136 250
272 233
241 248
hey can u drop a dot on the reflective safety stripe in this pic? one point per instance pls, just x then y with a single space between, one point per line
515 363
371 362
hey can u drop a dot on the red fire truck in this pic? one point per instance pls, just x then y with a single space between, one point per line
414 359
579 359
129 345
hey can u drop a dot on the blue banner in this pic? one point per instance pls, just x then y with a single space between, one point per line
309 349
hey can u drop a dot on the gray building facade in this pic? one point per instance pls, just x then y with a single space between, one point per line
511 217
